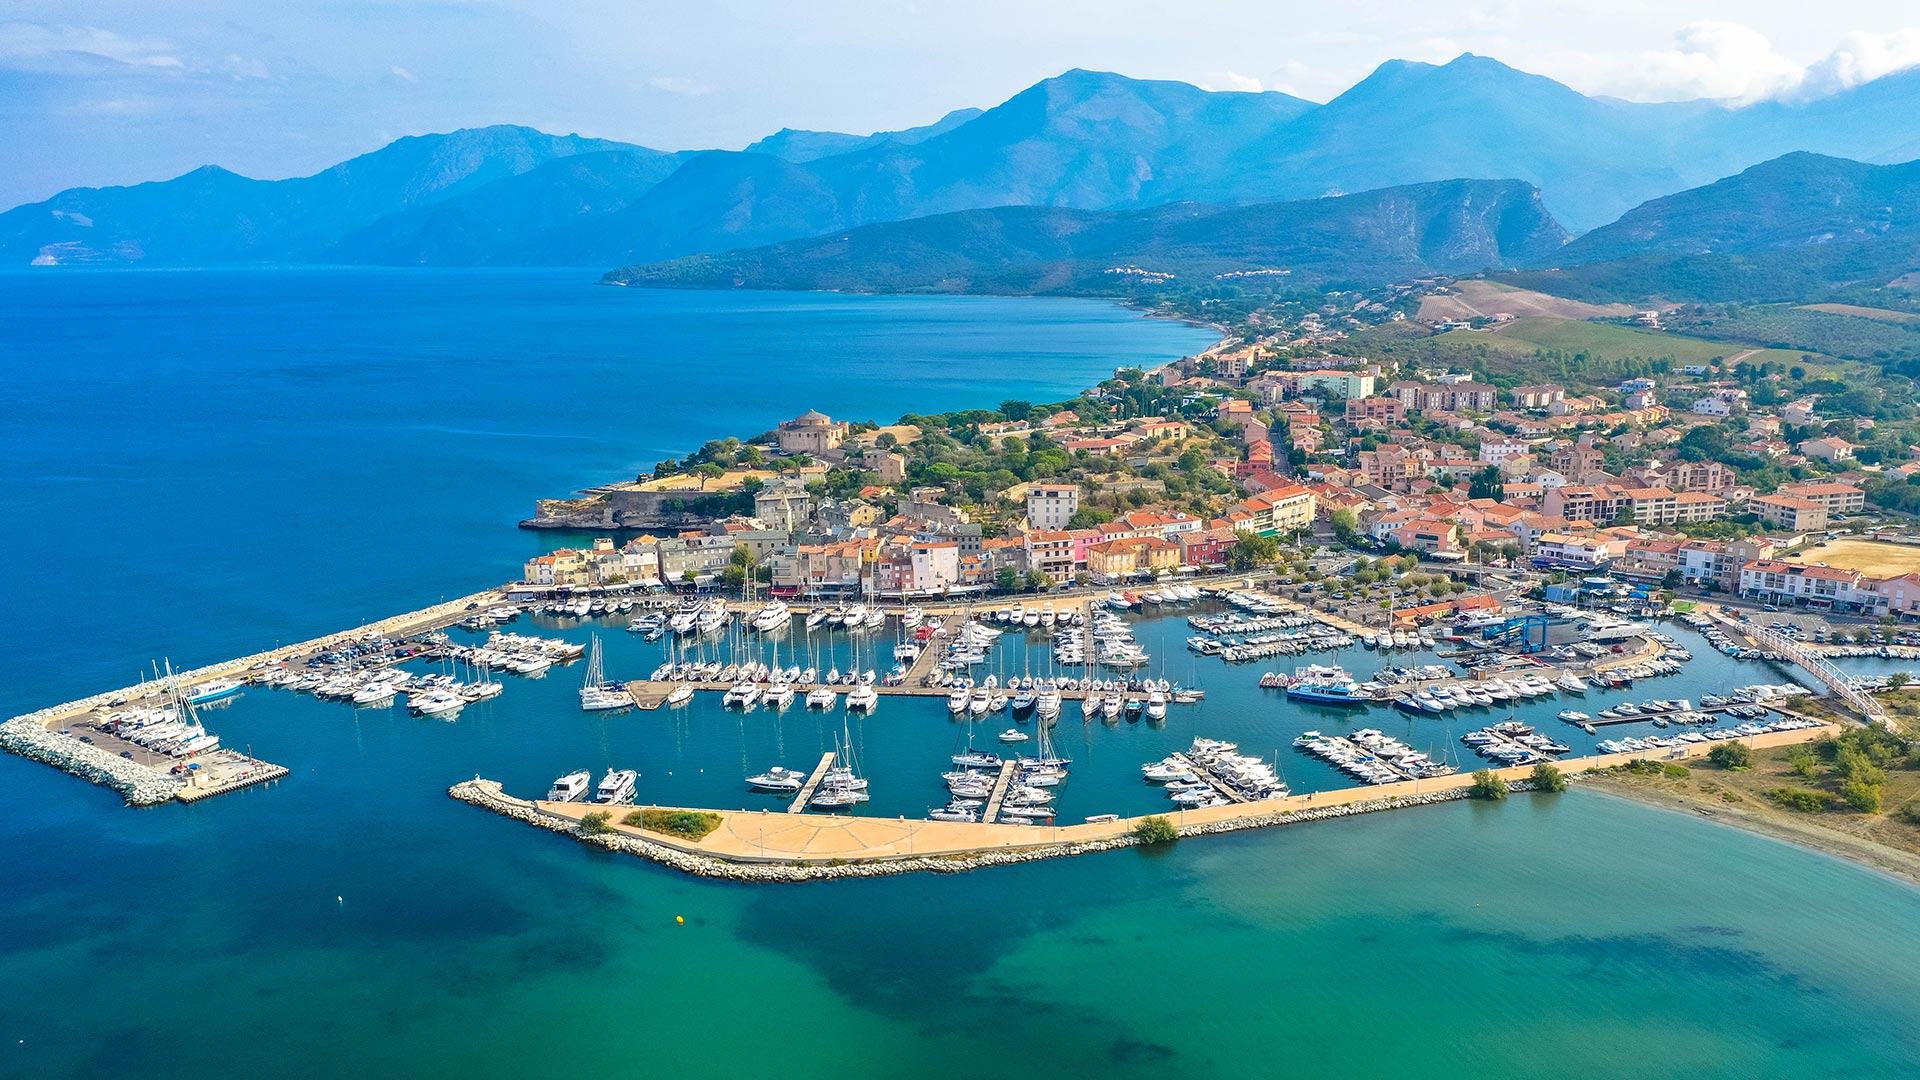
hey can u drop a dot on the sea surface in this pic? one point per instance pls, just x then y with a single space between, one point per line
202 463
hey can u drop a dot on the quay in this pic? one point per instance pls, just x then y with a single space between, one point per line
55 735
812 785
999 795
759 845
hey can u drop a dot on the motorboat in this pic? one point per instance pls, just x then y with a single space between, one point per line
1014 735
571 787
779 780
616 787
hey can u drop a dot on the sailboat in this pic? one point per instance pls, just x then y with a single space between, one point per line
596 693
842 786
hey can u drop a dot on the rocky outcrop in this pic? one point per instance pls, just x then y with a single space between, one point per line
487 794
140 784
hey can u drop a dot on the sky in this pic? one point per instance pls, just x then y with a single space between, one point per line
96 92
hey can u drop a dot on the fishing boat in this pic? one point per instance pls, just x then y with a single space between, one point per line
213 690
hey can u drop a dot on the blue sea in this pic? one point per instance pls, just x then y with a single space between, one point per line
205 463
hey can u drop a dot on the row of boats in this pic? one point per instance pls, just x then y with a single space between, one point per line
1660 742
1513 743
440 695
173 729
1202 775
1106 641
1371 756
617 788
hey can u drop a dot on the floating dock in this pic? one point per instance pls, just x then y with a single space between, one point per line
1226 790
812 785
1000 785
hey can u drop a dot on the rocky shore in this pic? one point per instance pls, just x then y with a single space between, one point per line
488 795
139 784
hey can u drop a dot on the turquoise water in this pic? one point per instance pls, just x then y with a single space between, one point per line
352 917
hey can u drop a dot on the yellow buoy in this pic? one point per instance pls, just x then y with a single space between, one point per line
681 919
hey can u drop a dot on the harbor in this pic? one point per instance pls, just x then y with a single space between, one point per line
1112 679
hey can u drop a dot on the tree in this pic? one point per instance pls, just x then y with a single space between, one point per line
1345 525
1548 777
1488 484
1861 796
1487 786
1898 679
1252 550
1158 829
596 823
1038 580
886 440
1016 410
1731 755
1007 578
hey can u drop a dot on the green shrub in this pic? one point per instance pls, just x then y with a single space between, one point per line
1799 799
1487 786
1862 796
689 824
1731 755
596 823
1676 772
1158 829
1910 813
1548 777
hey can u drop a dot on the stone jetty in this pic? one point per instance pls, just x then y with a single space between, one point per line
139 784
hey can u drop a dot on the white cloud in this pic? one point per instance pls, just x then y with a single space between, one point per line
64 49
403 73
675 84
1231 80
1862 58
1738 64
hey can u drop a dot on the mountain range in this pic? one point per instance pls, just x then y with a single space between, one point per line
1451 226
1082 141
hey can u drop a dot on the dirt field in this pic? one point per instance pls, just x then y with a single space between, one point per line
1475 298
1876 558
1878 314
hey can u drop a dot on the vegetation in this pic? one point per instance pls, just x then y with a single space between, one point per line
1548 777
1486 785
1158 829
1781 326
596 823
1731 755
1799 799
686 824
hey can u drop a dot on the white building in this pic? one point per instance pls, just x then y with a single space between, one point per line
1711 406
1051 506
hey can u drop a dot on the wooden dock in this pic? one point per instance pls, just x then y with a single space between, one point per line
812 785
1000 785
1226 791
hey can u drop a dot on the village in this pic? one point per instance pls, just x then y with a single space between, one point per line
1209 463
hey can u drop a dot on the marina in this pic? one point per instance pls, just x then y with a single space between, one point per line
1010 679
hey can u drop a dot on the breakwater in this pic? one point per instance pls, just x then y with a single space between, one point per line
139 784
777 847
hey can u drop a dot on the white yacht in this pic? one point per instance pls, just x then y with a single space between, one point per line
679 695
778 779
743 695
821 697
863 698
571 787
616 787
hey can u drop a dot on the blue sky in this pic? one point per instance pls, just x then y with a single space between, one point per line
119 91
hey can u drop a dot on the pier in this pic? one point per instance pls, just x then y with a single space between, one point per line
1000 785
812 785
1226 790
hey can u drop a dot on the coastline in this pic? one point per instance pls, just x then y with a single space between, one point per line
1867 854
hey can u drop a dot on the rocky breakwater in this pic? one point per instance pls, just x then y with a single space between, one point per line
139 784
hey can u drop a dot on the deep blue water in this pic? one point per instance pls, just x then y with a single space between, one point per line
202 463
